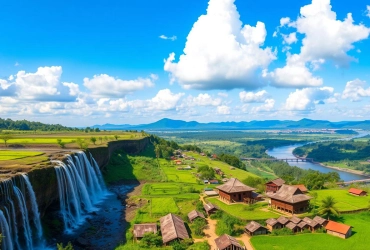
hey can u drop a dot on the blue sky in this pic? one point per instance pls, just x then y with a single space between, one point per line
138 61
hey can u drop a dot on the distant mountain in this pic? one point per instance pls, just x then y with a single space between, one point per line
168 124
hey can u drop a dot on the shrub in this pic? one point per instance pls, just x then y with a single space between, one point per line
280 232
217 215
61 143
199 225
151 240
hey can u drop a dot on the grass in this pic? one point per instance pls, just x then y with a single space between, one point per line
163 206
170 169
346 201
241 210
358 241
6 155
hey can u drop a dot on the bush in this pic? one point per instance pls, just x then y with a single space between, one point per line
280 232
151 240
67 247
61 143
200 246
217 215
199 225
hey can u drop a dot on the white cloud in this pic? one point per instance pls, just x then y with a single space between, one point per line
355 89
267 107
291 38
202 100
223 110
368 11
220 53
223 94
164 100
251 97
107 86
172 38
306 99
284 21
73 88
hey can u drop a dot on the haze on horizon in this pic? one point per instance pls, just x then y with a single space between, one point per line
135 62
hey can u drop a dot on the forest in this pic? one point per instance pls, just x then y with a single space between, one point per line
9 124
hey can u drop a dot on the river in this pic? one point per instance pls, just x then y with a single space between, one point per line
287 152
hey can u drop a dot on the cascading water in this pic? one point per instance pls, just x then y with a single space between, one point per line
80 185
15 220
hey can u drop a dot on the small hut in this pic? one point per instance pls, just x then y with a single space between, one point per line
320 220
235 191
357 192
283 221
173 228
292 226
274 185
210 208
254 228
273 224
295 220
226 242
141 229
303 225
313 225
195 215
302 188
338 229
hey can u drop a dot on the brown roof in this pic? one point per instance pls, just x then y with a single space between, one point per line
141 229
282 220
225 240
356 191
302 224
289 194
301 187
295 220
319 220
195 214
291 225
253 226
310 222
337 227
277 182
209 207
172 227
234 186
271 222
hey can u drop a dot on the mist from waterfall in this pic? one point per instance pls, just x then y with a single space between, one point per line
80 186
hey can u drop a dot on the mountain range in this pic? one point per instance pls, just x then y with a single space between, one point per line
168 124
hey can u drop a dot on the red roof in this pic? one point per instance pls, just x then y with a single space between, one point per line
356 191
337 227
301 187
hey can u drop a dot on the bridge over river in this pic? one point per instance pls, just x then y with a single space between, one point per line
296 159
346 183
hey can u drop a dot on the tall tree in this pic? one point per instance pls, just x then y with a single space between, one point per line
328 207
6 137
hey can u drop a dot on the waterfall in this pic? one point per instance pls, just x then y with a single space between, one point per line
16 195
80 186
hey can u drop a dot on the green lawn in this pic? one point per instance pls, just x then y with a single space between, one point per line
6 155
346 202
241 210
358 241
163 206
177 175
171 188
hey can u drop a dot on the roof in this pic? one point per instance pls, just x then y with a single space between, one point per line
295 220
282 220
277 182
271 222
211 193
337 227
356 191
225 240
310 222
141 229
209 206
289 194
253 226
319 220
195 214
291 225
234 186
172 227
301 187
256 195
302 224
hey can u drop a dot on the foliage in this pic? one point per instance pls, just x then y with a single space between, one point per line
150 240
328 207
206 172
282 231
199 206
181 245
8 124
199 225
61 143
6 137
82 144
255 182
93 140
199 246
226 225
217 215
67 247
231 160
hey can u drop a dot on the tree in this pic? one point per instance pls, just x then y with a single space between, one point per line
93 140
67 247
150 240
61 143
328 207
82 143
6 137
101 139
116 137
199 225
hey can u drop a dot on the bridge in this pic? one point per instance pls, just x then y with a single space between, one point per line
346 183
298 159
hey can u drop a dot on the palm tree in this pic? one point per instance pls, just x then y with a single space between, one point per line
328 207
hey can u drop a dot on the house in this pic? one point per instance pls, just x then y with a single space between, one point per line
210 208
273 224
274 185
211 193
302 188
195 215
235 191
292 226
202 154
254 228
289 199
217 171
213 182
178 162
226 242
303 225
283 221
312 224
338 229
172 228
214 156
295 220
320 220
187 168
357 192
257 196
141 229
205 181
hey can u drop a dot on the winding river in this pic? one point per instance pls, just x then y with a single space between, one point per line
287 152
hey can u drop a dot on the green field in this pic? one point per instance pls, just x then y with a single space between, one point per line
358 241
6 155
346 201
163 206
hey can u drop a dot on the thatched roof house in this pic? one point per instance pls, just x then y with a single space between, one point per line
313 225
141 229
274 185
172 228
226 242
282 220
194 215
273 224
210 208
292 226
320 220
295 220
254 228
235 191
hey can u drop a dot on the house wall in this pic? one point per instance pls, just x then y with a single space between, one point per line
271 187
234 197
343 236
231 247
291 208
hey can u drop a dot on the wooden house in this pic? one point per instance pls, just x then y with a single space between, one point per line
357 192
289 199
273 224
320 220
195 215
302 188
303 225
338 229
283 221
294 227
213 182
295 220
235 191
141 229
254 228
274 185
312 224
172 228
210 208
226 242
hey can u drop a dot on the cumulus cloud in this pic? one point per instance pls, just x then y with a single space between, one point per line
266 107
164 100
223 110
355 90
107 86
368 11
172 38
291 38
201 100
284 21
325 39
251 97
221 53
305 100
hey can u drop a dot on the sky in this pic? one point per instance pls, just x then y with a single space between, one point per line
81 63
